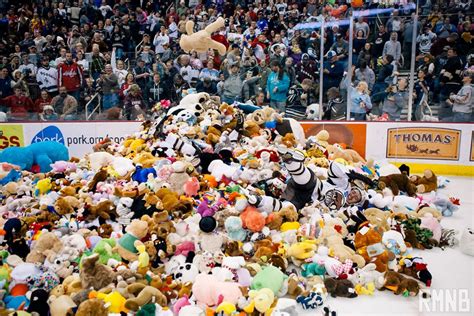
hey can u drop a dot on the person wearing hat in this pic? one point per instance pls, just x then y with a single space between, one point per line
341 48
306 69
142 74
134 105
425 40
333 71
27 67
463 101
48 114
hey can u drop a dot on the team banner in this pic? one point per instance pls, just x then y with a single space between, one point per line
423 143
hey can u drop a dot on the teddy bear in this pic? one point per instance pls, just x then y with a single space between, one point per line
173 203
144 294
159 224
377 218
366 275
335 243
94 274
341 288
427 183
368 244
47 244
66 205
201 41
104 209
399 284
286 214
94 306
137 230
61 305
70 286
397 183
349 155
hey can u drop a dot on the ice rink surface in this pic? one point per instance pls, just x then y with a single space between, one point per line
453 271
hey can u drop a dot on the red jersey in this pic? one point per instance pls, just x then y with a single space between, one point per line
70 76
19 106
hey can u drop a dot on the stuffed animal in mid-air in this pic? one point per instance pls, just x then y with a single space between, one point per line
201 41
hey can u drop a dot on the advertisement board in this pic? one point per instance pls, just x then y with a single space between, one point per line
423 143
11 135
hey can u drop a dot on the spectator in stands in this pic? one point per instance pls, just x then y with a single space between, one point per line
393 47
278 84
48 114
65 105
209 71
110 87
19 105
360 101
463 101
383 79
47 77
233 84
134 105
364 73
396 99
299 97
206 85
142 74
333 71
157 90
450 80
306 69
5 83
70 76
42 101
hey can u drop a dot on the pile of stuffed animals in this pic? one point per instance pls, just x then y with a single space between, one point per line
212 209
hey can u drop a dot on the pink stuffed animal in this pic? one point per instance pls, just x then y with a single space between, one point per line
191 187
180 303
63 166
184 248
209 291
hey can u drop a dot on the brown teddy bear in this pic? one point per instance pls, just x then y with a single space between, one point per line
159 224
397 183
349 155
399 284
172 202
105 230
427 183
144 294
92 307
377 218
66 205
341 288
95 274
103 209
47 244
368 244
338 249
286 214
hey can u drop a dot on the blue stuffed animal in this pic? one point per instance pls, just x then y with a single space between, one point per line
42 154
312 269
12 176
310 301
141 174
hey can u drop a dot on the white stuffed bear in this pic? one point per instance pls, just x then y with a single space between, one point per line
100 159
466 243
219 169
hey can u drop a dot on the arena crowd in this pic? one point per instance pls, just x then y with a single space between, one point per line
115 59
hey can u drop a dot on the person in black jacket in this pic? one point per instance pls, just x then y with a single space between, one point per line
157 90
450 81
206 85
381 84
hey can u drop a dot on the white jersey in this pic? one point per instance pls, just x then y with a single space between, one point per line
47 79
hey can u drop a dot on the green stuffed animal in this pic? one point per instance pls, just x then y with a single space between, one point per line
312 269
269 277
105 250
